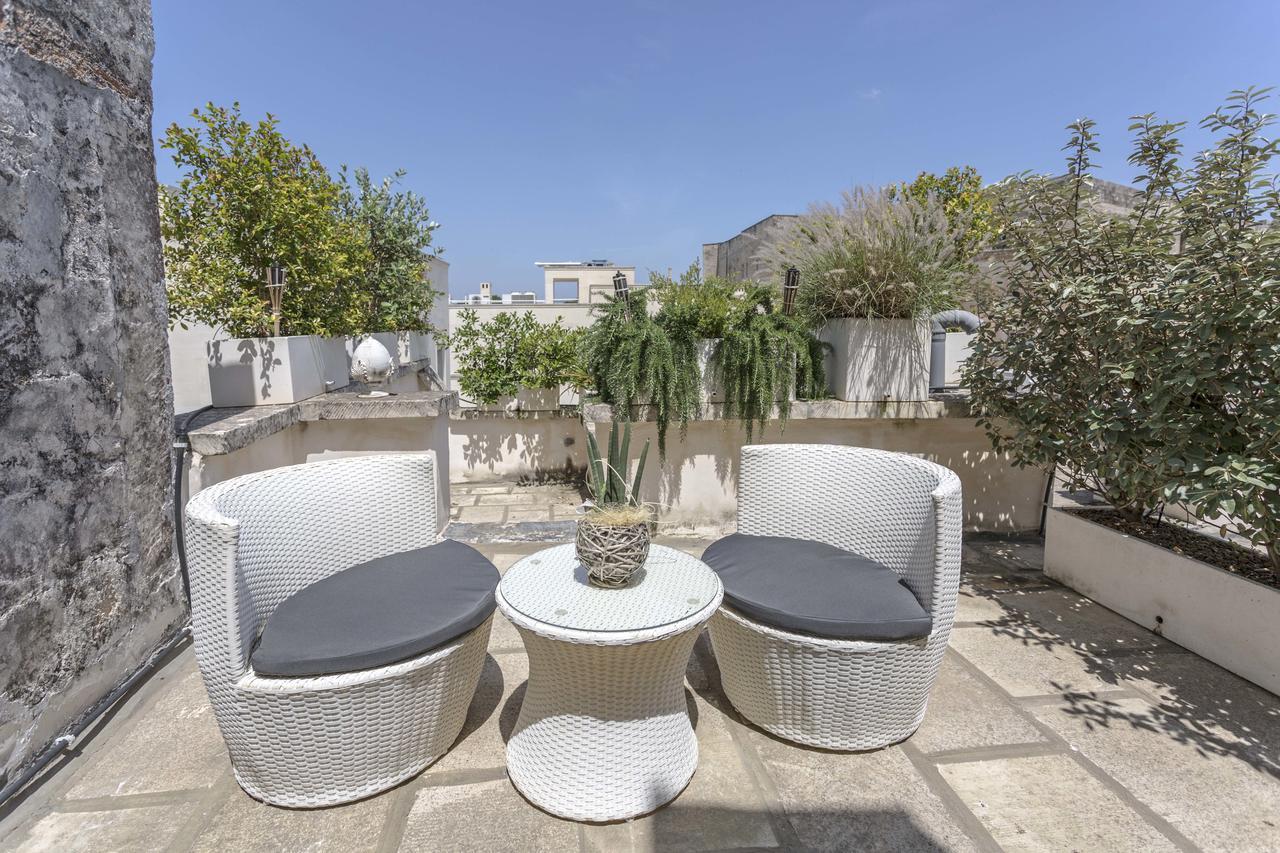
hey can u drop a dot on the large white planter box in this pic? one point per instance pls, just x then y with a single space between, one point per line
957 350
413 346
1221 616
877 360
265 371
712 386
526 400
335 362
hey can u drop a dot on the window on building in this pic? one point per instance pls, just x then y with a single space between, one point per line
564 290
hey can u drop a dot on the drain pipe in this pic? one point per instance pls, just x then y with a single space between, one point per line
60 744
939 323
64 741
181 449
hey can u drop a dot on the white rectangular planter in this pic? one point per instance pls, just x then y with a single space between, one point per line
335 362
957 350
1221 616
877 360
265 371
526 400
413 346
712 386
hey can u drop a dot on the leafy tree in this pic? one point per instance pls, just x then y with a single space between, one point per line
510 351
393 288
249 199
964 201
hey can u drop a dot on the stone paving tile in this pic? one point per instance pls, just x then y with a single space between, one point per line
517 498
1026 661
976 607
504 637
1020 553
491 489
1050 803
489 816
490 718
244 824
121 829
1076 620
535 513
858 801
1212 774
966 713
172 744
472 514
720 809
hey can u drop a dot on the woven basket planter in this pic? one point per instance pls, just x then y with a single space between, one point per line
612 553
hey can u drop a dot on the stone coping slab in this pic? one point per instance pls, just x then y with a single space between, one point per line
220 431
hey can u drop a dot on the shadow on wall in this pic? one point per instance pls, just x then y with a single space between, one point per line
698 478
489 446
253 361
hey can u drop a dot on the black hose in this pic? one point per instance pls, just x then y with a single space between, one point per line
181 447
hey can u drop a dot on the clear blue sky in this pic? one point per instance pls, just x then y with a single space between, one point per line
638 131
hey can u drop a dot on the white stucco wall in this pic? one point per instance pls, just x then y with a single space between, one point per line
315 440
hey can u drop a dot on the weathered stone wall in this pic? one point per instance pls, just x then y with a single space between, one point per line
88 584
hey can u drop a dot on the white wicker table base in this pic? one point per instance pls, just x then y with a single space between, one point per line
604 731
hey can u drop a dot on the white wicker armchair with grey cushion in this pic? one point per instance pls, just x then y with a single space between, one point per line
840 592
318 702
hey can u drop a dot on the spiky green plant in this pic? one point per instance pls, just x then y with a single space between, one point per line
606 476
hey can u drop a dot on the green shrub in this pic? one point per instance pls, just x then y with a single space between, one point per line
510 351
1140 353
881 253
394 293
249 199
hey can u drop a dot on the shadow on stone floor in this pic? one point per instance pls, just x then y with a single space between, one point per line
1192 701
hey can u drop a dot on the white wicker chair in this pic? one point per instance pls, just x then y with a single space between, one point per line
255 540
900 510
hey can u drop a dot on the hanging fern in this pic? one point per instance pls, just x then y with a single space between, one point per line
763 357
632 360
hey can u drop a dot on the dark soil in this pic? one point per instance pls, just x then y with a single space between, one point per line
1216 552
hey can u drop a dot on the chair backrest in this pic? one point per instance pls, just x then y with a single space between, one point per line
287 528
873 502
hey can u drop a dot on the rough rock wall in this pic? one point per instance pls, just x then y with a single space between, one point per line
88 581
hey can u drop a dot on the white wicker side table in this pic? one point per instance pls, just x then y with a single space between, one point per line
604 731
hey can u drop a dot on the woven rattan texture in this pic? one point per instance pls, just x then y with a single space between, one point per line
611 553
257 539
904 512
604 731
551 587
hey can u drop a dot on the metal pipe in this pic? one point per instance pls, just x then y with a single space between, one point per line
938 324
181 446
62 742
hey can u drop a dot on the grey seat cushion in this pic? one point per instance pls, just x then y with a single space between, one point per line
378 613
814 588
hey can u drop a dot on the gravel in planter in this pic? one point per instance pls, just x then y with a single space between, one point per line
1216 552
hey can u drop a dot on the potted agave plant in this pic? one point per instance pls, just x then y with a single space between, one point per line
613 533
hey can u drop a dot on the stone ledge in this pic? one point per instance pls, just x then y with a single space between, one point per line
220 431
944 404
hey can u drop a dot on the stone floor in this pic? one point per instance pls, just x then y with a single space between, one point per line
1055 725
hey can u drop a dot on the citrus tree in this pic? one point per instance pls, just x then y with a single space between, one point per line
248 199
